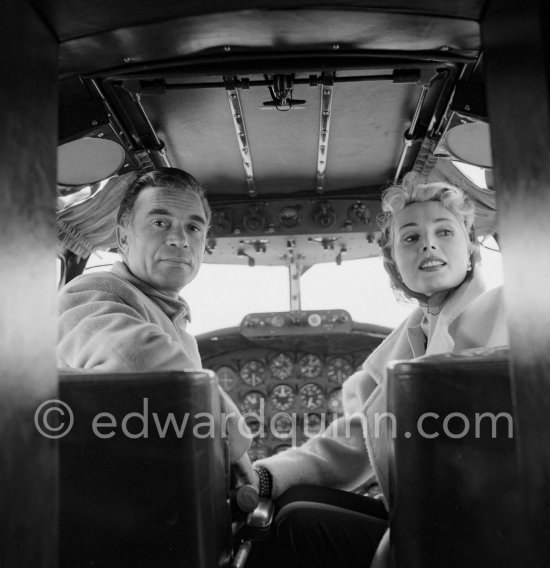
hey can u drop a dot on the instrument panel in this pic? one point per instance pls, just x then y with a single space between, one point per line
288 388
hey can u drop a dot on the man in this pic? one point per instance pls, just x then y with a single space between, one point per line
132 318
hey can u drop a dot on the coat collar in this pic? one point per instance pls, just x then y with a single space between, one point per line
407 341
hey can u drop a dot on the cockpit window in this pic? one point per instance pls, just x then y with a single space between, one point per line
475 174
221 295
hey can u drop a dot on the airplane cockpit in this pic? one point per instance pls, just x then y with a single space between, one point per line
294 119
294 146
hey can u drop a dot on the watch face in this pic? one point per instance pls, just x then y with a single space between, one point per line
252 401
310 366
338 370
311 396
282 397
281 366
227 378
253 373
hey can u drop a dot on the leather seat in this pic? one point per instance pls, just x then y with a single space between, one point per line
132 496
455 498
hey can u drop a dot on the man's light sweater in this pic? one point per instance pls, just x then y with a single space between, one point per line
113 321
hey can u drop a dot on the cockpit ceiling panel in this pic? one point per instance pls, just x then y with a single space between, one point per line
79 18
366 136
138 44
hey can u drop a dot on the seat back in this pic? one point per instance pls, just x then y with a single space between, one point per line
143 472
455 498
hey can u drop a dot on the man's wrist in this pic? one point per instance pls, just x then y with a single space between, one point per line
265 479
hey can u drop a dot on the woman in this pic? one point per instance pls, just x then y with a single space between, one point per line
430 253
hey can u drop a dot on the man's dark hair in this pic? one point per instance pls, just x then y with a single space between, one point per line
162 178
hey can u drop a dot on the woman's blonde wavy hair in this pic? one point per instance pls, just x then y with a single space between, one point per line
396 197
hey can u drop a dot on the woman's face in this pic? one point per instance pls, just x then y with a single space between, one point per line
430 247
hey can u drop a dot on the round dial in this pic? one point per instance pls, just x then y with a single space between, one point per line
335 401
310 366
312 396
257 451
314 320
313 424
283 426
338 370
281 366
282 397
290 216
252 401
254 425
227 378
278 321
253 373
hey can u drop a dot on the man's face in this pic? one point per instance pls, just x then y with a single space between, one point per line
164 242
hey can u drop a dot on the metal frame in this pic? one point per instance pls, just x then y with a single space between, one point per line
240 131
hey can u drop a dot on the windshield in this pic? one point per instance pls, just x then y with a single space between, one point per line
221 295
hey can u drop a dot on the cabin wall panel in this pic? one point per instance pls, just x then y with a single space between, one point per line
28 123
518 75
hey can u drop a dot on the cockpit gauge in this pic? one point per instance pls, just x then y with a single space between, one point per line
314 320
284 427
227 378
335 401
290 216
278 321
254 425
258 451
253 373
281 366
313 424
282 397
311 396
310 366
338 370
252 401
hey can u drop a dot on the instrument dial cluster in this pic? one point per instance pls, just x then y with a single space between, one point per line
285 396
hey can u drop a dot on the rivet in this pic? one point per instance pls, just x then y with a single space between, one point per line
227 48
